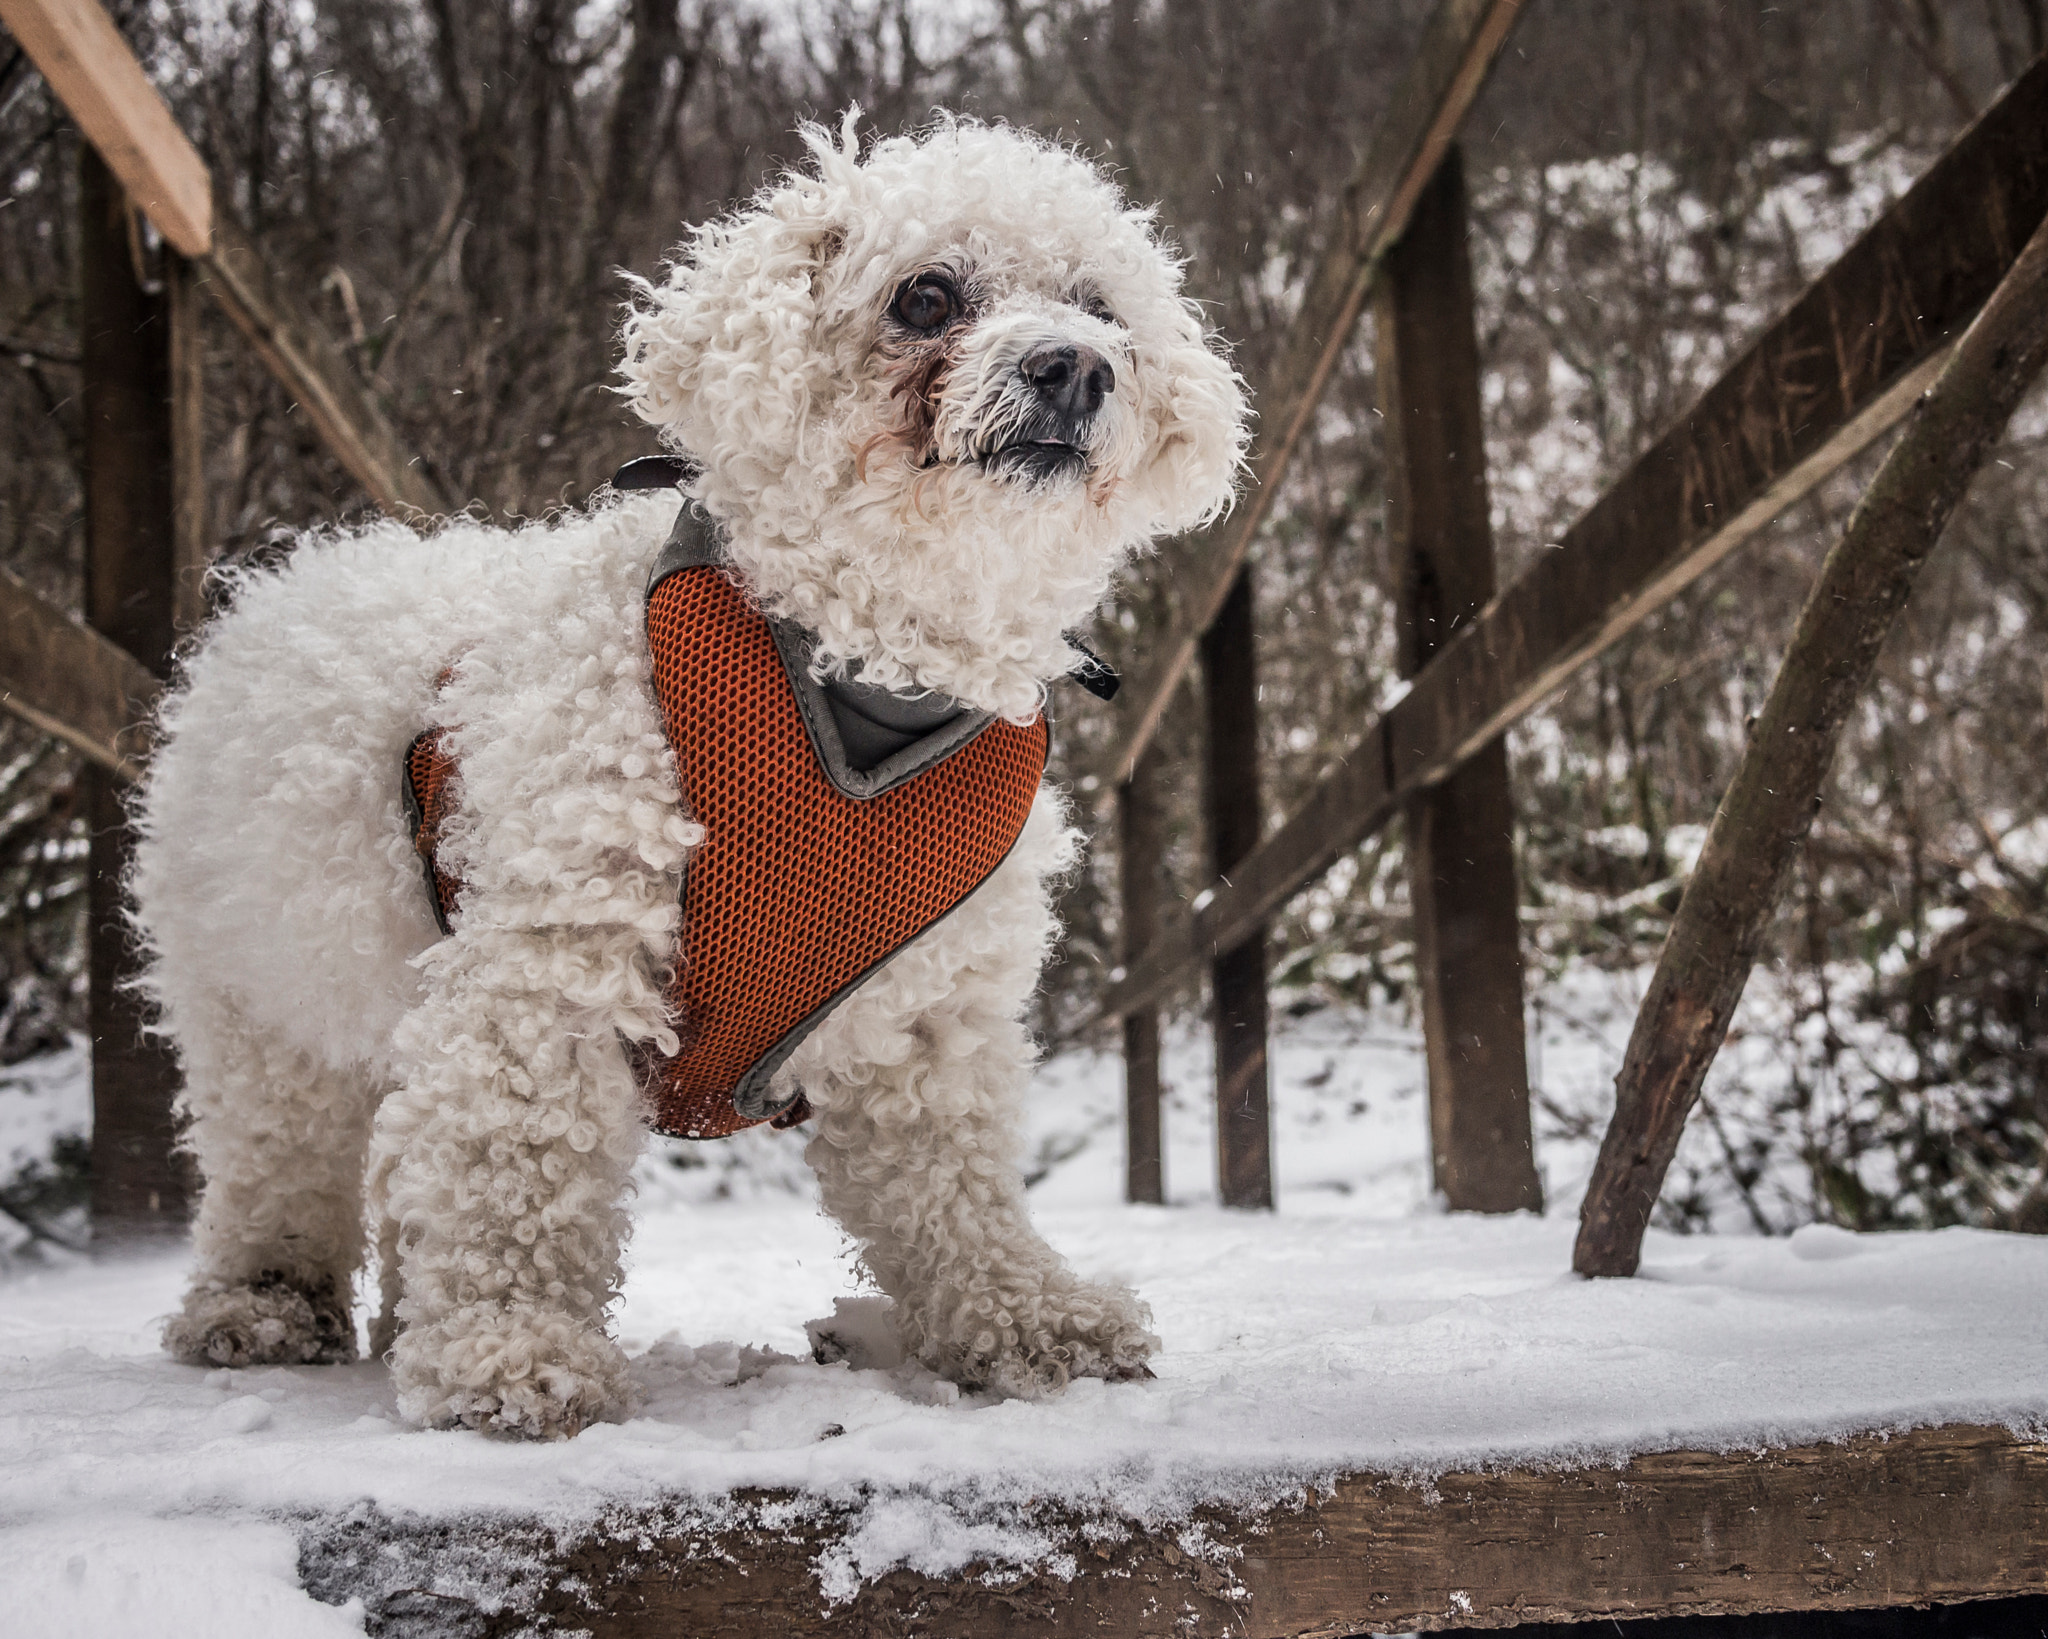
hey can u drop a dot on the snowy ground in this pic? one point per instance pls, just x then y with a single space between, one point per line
1356 1329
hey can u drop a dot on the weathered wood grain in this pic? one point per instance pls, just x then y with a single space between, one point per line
1459 43
1141 883
1232 817
1841 367
1932 1516
79 51
128 347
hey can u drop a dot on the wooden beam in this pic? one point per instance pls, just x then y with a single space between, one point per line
140 1186
1769 806
1237 973
311 366
193 546
90 67
1840 368
67 680
79 51
1461 846
1458 46
1936 1515
1140 869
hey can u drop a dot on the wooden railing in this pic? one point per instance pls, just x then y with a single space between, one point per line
94 683
50 674
1843 365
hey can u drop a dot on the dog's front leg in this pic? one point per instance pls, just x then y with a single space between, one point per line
920 1164
504 1164
919 1084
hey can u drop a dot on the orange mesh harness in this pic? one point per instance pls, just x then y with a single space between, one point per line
812 874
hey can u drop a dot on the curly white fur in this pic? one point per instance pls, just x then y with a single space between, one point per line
480 1080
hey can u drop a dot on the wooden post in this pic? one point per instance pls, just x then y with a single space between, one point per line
1769 806
140 1188
1140 851
1422 114
1460 833
1237 977
192 545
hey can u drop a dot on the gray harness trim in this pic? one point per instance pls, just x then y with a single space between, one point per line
696 543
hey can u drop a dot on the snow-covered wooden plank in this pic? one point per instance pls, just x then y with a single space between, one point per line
1840 368
1345 1335
1940 1514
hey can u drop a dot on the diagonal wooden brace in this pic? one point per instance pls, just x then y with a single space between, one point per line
1769 806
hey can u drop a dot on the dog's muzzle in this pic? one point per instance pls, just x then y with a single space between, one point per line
1064 385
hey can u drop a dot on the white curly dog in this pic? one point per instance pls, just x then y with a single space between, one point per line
935 396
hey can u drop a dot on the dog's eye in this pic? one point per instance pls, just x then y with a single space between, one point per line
927 305
1096 308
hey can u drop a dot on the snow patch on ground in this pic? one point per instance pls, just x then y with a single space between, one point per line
125 1574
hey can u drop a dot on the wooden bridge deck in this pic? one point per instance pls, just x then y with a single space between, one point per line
1932 1516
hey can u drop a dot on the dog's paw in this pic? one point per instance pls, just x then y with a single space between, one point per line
272 1321
535 1375
1083 1330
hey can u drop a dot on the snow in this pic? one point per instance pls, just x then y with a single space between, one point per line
1357 1328
41 1101
225 1579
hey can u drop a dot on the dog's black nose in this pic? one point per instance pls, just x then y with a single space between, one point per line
1072 380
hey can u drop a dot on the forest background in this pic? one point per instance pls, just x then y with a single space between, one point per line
457 185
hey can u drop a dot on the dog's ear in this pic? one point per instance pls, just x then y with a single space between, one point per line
720 355
1198 428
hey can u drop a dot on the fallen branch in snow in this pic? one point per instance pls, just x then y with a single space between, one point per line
1770 804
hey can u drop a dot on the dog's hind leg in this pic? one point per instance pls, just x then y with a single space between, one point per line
280 1140
505 1162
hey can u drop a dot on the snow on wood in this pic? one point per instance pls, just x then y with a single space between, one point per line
1937 1514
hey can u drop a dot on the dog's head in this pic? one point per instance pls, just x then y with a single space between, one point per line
940 393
